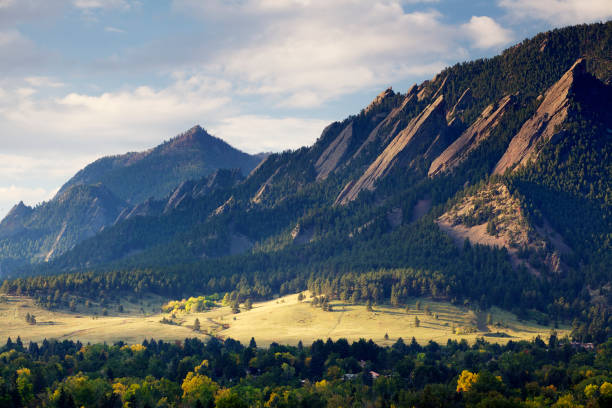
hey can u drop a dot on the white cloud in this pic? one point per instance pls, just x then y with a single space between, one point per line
255 134
35 176
302 53
131 118
54 165
12 194
43 82
560 11
486 32
102 4
114 30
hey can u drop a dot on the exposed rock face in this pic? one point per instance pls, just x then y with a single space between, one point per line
480 130
380 98
423 136
543 125
332 157
196 189
263 191
225 207
347 145
493 217
465 100
184 190
388 128
187 190
148 208
302 235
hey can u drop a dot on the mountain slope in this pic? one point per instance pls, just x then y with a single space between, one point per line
37 234
116 188
135 177
389 148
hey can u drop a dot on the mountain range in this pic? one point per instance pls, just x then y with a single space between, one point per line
115 188
491 183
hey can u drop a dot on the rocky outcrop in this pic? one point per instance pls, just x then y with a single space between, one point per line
494 217
540 128
147 209
465 101
389 127
332 156
423 136
380 98
301 234
220 179
479 131
55 226
347 145
186 191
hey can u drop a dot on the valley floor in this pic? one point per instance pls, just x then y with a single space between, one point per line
284 320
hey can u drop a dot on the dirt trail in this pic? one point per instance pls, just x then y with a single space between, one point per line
336 325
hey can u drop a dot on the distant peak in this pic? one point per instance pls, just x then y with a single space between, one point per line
19 210
195 129
191 137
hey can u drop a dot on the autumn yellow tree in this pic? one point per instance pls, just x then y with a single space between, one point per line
198 387
24 385
466 381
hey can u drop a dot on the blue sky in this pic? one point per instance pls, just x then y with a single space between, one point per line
81 79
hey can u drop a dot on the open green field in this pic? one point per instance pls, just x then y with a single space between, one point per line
283 320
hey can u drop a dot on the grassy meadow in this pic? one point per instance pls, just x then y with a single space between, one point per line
283 320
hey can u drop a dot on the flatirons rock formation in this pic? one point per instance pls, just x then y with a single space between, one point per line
544 124
423 136
480 130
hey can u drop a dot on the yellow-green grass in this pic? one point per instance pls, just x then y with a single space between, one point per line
131 327
284 320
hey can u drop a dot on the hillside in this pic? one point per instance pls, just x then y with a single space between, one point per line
136 177
40 233
113 189
499 151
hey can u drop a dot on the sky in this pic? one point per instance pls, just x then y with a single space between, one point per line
82 79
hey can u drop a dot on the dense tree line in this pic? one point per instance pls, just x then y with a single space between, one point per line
325 374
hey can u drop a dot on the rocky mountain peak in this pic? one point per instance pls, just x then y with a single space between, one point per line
191 137
380 98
